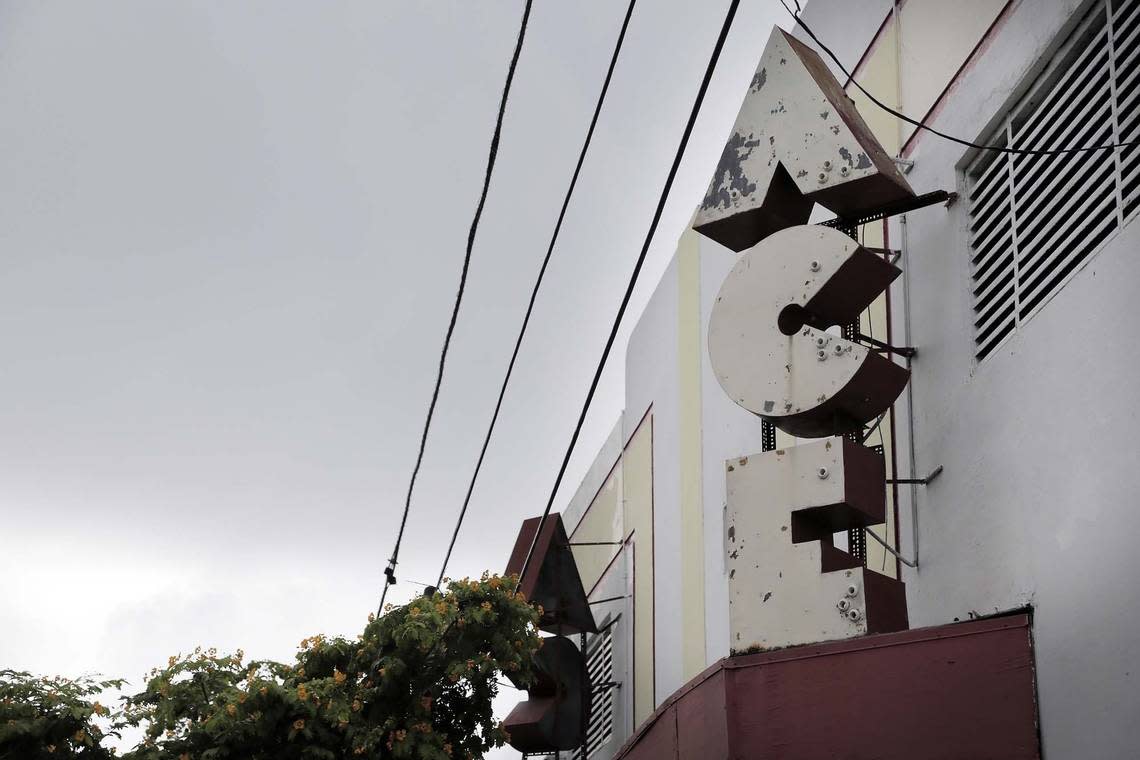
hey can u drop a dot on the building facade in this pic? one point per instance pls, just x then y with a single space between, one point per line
1017 293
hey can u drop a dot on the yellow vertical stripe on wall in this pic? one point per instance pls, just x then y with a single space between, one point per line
602 523
880 74
689 417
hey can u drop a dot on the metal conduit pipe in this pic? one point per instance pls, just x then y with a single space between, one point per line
904 247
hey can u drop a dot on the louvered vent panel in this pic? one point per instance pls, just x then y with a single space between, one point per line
1035 219
1126 37
600 664
991 228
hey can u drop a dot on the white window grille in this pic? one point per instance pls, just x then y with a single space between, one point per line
600 665
600 668
1034 220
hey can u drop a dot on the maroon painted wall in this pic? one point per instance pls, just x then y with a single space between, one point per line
958 691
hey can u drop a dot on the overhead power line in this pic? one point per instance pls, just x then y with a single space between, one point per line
943 135
534 290
390 570
634 275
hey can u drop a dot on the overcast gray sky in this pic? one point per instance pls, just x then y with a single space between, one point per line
230 236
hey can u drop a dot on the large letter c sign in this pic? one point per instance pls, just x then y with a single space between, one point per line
767 340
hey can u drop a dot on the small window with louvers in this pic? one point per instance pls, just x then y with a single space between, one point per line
1034 220
600 665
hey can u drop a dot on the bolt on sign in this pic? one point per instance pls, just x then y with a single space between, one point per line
798 141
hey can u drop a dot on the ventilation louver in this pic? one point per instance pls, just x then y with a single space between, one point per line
1034 220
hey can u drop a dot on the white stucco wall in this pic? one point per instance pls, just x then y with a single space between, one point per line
845 26
651 378
729 431
1038 441
1034 505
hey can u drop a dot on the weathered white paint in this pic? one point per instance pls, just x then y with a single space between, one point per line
796 120
727 429
791 378
778 595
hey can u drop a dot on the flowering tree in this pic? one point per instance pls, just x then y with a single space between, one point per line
51 717
417 683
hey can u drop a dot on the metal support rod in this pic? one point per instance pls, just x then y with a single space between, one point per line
595 543
608 599
900 351
609 625
904 247
874 427
918 481
887 546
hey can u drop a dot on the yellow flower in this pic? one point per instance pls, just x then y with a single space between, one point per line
298 724
80 735
338 676
302 693
264 690
231 710
51 748
242 697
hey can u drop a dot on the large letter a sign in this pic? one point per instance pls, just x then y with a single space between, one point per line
798 140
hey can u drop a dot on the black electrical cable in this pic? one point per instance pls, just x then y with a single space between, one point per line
943 135
534 290
633 276
390 570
